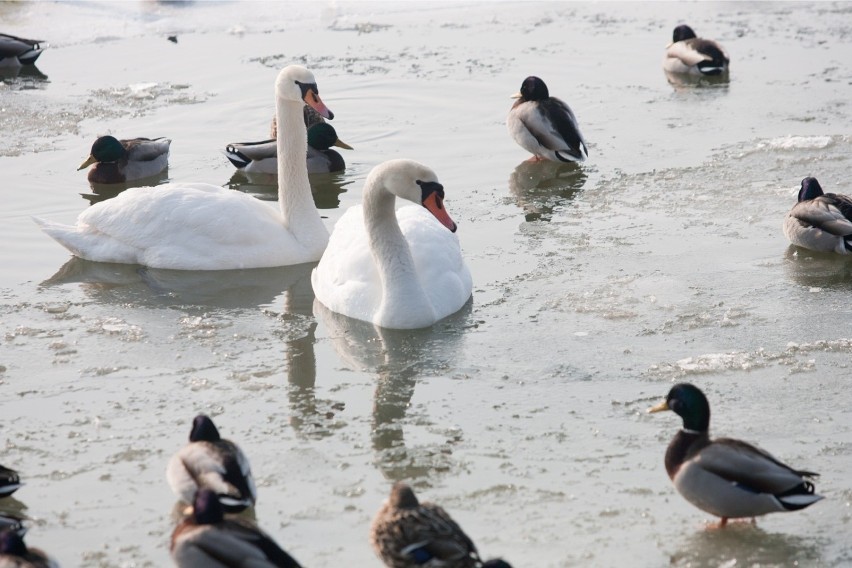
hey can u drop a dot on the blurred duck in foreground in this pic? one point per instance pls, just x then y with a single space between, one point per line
726 477
10 481
16 51
820 221
206 539
210 462
545 126
15 554
694 55
120 161
408 534
262 157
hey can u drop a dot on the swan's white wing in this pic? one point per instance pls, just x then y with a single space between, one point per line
347 281
182 226
437 255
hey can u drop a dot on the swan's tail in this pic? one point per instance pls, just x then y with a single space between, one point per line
65 235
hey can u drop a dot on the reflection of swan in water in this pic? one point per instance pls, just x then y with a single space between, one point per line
540 187
683 81
398 358
745 544
104 191
818 269
154 286
325 188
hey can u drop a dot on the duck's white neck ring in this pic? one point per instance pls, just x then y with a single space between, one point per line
688 431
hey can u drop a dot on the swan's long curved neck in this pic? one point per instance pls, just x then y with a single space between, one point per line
400 284
294 190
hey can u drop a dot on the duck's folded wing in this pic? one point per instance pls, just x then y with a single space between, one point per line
554 126
748 466
826 213
254 150
146 149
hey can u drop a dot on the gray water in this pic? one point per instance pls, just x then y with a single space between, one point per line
595 287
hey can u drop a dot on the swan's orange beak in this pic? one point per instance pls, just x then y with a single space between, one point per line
313 100
435 205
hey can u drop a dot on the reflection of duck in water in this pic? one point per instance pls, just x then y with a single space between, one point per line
817 269
407 533
820 221
725 477
261 157
121 161
545 126
540 187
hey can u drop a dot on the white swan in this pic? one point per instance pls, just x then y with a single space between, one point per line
397 269
197 226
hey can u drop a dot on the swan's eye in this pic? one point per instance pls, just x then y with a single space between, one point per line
429 187
307 88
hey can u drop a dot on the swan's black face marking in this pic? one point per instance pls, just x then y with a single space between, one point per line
427 188
307 88
310 94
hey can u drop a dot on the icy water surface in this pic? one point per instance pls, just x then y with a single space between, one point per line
595 287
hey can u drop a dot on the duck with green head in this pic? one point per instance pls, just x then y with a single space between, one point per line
726 477
261 157
121 161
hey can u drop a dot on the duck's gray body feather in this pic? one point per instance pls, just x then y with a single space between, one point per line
547 129
821 224
733 479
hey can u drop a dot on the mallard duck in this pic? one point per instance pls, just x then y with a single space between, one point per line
12 523
820 221
211 462
200 226
15 554
10 481
726 477
120 161
408 534
308 113
694 55
545 125
206 539
261 157
400 269
16 51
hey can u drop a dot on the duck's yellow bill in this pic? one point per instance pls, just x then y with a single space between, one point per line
660 407
89 161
